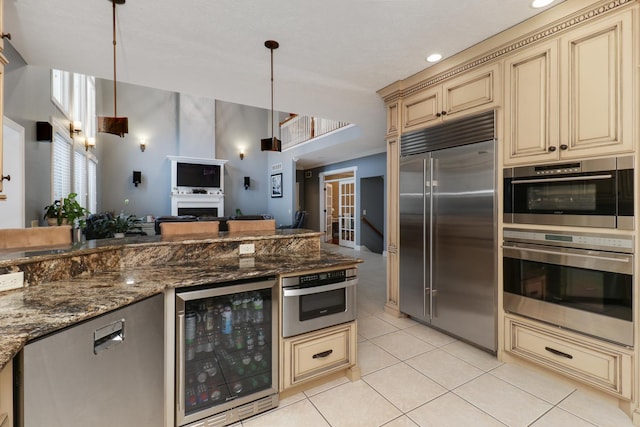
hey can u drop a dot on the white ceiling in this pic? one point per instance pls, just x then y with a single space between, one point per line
333 57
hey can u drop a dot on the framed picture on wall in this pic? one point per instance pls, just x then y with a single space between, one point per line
276 185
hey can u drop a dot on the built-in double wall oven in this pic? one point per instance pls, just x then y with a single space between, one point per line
588 193
578 281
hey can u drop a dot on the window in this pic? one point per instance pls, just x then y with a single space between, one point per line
73 168
60 164
61 91
92 194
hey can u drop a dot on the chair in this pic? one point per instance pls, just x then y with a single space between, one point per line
298 220
36 236
193 227
251 225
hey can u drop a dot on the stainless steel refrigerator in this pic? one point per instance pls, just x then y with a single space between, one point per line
448 240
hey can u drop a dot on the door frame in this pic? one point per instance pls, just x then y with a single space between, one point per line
321 177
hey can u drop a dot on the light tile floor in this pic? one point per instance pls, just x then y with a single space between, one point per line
413 376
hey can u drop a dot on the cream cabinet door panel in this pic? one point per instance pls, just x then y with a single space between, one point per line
531 105
472 91
599 364
420 109
597 87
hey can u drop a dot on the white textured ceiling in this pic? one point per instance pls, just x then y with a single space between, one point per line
333 57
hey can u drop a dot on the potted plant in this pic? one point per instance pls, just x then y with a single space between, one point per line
65 211
122 223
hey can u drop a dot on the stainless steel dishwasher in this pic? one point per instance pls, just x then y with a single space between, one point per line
107 372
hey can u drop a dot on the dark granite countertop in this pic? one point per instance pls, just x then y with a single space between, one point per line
35 311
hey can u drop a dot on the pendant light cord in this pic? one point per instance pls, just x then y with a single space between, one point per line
115 105
272 126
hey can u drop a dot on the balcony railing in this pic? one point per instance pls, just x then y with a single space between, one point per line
298 129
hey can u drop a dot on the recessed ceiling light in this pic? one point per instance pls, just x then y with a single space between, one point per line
537 4
434 57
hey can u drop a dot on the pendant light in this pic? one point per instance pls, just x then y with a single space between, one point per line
273 143
114 125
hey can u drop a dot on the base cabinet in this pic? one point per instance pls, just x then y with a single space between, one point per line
606 367
312 355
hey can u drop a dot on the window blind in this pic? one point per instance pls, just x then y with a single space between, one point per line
60 167
80 177
92 195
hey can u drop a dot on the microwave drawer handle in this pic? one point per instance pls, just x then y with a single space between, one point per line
318 289
569 178
603 258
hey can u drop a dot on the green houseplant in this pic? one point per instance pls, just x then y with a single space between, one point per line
65 211
124 223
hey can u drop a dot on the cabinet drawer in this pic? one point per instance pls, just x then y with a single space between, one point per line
318 353
601 365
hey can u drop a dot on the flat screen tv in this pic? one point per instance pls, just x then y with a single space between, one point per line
197 175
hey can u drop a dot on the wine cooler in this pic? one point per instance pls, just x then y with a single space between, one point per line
226 352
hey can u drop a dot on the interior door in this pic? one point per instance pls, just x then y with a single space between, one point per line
328 212
347 208
12 208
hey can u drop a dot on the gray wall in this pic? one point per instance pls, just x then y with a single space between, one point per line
370 166
173 124
239 127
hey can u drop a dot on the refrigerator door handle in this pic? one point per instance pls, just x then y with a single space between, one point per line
180 363
429 243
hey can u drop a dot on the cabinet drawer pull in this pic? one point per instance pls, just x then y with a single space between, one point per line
322 354
558 352
552 149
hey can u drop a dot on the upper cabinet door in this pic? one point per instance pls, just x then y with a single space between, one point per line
597 87
421 109
471 92
1 25
531 105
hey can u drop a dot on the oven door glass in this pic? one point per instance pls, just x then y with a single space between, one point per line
602 292
322 304
584 194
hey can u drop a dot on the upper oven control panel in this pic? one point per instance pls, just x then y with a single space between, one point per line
594 241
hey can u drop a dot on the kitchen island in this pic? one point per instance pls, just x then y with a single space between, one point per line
70 284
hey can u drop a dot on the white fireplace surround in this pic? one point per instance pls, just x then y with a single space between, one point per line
185 198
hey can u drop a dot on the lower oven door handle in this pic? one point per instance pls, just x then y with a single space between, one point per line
318 289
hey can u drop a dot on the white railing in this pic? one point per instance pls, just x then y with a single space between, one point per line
298 129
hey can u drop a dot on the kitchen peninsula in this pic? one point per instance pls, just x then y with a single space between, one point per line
65 286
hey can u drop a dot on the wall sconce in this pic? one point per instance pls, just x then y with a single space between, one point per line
247 182
241 154
143 144
75 127
89 142
137 178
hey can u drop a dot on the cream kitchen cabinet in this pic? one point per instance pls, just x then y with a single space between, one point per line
470 92
3 62
599 364
6 395
571 96
310 356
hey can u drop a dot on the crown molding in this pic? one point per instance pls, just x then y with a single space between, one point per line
396 91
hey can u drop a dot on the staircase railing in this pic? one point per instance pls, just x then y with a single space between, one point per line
298 129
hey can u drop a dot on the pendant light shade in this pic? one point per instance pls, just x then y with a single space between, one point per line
273 143
114 125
